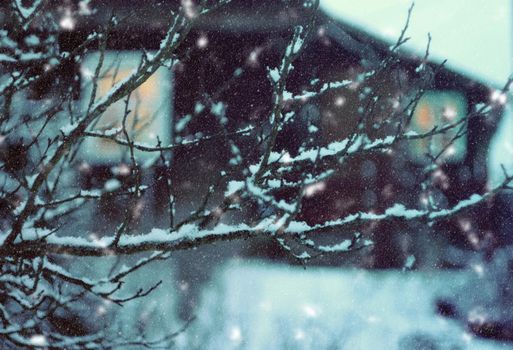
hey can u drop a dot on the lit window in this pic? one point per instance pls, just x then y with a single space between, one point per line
439 108
149 106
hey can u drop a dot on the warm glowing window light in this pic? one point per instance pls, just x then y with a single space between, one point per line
439 108
149 119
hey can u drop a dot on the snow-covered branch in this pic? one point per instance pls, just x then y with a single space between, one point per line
89 175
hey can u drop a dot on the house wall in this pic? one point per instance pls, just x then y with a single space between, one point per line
210 58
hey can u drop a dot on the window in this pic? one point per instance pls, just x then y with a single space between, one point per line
150 106
439 108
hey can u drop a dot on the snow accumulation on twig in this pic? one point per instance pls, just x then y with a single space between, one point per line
192 235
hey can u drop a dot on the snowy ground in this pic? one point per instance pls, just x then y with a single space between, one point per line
252 305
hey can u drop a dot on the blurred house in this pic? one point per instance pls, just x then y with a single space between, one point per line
225 58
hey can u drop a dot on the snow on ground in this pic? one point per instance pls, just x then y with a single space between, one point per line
255 305
153 315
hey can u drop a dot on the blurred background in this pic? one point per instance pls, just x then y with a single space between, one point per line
445 286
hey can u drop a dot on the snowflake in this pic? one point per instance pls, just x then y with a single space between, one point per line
498 97
310 311
299 334
202 42
67 22
235 334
